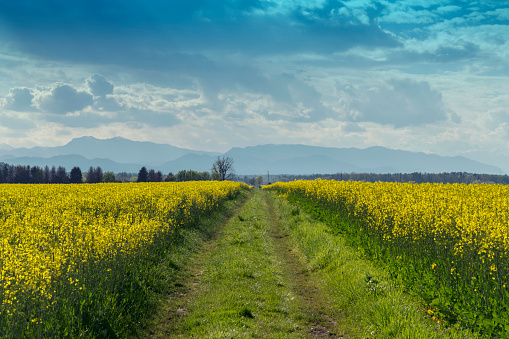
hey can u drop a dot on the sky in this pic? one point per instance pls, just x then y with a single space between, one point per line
423 76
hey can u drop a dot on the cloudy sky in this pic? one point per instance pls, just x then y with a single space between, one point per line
419 75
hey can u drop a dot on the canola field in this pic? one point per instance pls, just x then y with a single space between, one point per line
72 256
449 243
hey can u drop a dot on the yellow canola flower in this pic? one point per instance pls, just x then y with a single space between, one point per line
461 230
51 232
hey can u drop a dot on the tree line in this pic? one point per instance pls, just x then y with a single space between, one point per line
25 174
151 175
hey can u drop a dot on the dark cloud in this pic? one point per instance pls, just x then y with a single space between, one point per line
19 99
99 86
63 99
397 102
131 31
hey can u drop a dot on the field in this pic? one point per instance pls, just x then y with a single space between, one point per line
73 258
388 260
447 243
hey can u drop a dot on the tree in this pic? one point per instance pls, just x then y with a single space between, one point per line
76 176
94 175
98 174
53 175
47 175
143 175
259 180
36 175
2 173
22 174
109 177
205 176
224 167
61 176
159 176
91 175
170 177
151 175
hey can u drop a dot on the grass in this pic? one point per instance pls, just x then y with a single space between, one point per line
240 292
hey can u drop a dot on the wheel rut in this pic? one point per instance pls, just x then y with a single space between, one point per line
302 281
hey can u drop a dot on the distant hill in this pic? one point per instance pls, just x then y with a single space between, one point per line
117 149
300 159
118 155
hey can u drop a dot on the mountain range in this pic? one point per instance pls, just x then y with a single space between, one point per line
123 155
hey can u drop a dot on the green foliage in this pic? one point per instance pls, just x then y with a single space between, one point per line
109 177
191 175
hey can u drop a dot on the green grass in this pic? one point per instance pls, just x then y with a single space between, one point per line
242 291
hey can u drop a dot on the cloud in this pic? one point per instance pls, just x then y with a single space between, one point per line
398 102
496 118
99 86
409 16
16 123
149 117
63 99
80 120
447 9
19 99
500 13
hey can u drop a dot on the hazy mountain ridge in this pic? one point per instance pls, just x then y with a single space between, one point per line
119 150
123 155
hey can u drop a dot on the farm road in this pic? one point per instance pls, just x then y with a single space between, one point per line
249 281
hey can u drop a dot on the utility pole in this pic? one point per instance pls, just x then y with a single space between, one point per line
268 177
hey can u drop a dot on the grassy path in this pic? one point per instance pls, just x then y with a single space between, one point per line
271 271
249 281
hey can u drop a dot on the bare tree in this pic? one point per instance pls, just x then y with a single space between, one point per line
224 167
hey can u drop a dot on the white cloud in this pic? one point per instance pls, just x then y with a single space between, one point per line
500 13
409 16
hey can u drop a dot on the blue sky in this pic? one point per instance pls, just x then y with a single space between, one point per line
425 76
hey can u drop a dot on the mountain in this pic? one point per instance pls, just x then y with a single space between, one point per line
123 155
192 161
5 147
300 159
117 149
